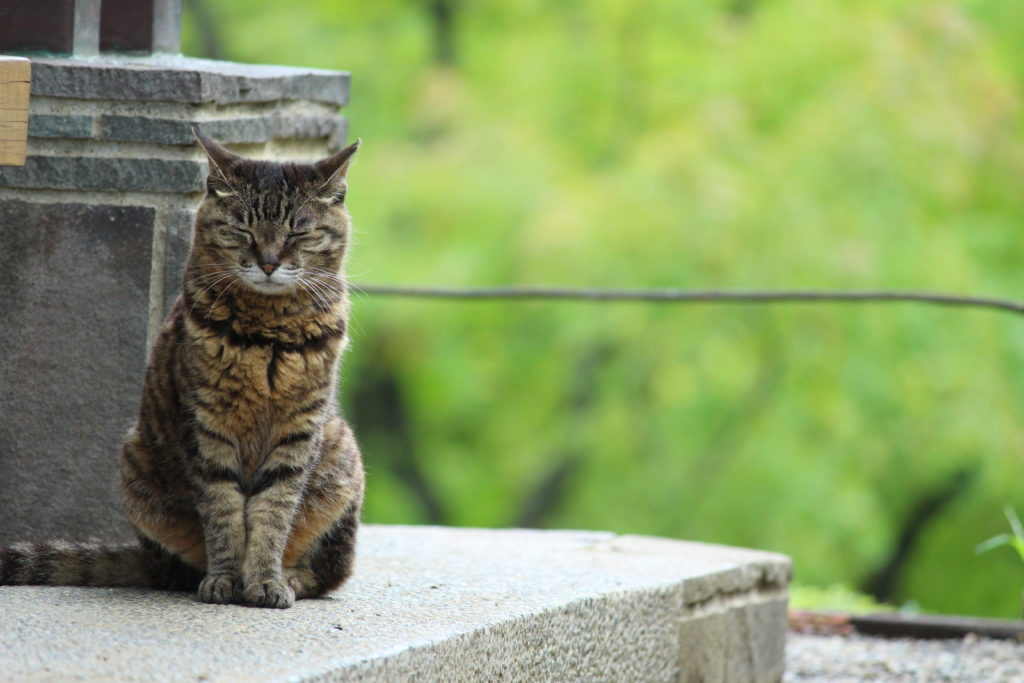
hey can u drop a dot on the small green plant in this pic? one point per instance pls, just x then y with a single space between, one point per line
835 598
1014 540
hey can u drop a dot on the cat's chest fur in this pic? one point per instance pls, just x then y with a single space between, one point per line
253 379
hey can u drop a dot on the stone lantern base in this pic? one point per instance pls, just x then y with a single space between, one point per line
96 226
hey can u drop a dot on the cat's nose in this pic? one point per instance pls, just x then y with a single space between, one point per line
268 261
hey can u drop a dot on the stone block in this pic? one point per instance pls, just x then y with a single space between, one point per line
334 128
75 127
74 296
110 174
179 241
735 643
179 131
429 603
245 129
173 78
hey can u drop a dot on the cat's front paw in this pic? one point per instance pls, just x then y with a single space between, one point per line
270 593
219 589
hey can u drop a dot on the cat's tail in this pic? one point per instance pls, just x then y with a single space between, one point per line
61 563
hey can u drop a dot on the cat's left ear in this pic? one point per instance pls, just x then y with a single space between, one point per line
331 174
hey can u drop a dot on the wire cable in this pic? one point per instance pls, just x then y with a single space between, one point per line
694 296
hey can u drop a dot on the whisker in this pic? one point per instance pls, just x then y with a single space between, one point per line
200 295
334 285
330 293
210 276
315 291
348 275
214 280
224 291
324 273
326 278
223 276
213 265
311 292
335 289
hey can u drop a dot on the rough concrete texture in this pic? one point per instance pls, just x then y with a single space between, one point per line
167 131
72 353
174 78
105 174
59 126
429 603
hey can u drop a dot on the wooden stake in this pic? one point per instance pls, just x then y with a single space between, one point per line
15 75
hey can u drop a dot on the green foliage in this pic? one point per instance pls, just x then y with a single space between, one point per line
837 598
1014 540
798 143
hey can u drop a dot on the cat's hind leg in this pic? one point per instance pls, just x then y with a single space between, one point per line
321 547
329 563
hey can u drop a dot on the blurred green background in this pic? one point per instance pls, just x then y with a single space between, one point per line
657 143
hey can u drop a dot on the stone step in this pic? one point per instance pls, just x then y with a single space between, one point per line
174 78
430 603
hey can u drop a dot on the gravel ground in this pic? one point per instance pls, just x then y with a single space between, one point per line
858 658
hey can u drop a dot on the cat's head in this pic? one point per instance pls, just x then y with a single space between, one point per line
275 228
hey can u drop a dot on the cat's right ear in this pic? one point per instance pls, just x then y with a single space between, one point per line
221 164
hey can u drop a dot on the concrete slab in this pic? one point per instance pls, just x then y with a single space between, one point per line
431 603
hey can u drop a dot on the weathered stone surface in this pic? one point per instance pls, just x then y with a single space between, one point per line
73 299
429 603
59 126
179 132
99 173
335 128
237 129
173 78
737 643
167 26
179 241
87 28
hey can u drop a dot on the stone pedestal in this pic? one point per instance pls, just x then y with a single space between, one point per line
437 604
96 226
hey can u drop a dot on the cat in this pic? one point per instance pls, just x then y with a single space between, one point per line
240 478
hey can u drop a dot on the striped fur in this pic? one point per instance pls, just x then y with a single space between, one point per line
240 478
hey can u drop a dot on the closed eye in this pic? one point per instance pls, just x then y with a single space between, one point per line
236 234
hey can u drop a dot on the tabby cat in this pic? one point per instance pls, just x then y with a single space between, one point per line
240 478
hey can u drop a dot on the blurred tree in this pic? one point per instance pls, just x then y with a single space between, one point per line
442 17
882 583
382 417
544 497
814 143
